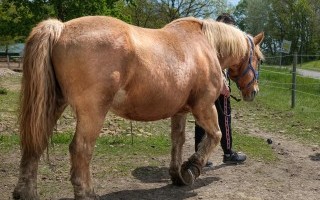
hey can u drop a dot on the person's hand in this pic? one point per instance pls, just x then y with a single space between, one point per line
225 90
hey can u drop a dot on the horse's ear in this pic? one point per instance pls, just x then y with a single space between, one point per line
258 38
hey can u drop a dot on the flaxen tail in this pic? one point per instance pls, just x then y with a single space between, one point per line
39 87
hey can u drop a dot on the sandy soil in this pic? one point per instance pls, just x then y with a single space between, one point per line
295 176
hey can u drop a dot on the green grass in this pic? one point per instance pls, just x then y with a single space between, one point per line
3 91
131 145
272 111
313 65
9 101
256 148
8 142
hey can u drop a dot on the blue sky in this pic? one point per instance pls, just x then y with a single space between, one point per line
233 2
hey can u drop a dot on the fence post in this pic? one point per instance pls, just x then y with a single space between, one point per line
294 73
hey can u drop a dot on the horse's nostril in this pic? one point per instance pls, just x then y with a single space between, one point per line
254 93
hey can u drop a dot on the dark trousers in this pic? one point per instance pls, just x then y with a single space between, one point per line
224 116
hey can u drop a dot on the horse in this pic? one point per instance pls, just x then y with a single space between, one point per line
99 64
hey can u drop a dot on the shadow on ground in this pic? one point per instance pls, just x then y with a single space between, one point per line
151 174
169 192
154 174
315 157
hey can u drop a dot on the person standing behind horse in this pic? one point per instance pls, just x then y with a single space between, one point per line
224 115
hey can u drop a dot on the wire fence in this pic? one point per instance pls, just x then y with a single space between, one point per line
286 78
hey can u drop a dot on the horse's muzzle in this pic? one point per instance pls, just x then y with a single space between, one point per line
251 96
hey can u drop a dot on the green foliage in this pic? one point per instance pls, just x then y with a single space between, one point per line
17 17
296 21
155 14
70 9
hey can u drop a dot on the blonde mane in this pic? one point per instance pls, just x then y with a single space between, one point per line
226 39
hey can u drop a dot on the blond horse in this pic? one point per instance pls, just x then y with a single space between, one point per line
99 64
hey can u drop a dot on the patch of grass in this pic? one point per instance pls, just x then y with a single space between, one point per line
8 142
62 138
9 102
134 145
122 153
118 155
271 110
313 65
256 148
3 91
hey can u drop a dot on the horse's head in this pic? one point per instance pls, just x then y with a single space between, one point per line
245 74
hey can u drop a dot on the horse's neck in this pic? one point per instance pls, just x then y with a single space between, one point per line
228 61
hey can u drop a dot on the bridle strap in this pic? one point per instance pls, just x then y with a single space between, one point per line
249 67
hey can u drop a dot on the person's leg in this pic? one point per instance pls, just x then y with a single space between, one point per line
199 134
224 115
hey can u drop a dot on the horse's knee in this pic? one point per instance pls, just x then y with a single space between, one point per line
216 137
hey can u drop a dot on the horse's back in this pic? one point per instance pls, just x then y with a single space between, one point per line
140 72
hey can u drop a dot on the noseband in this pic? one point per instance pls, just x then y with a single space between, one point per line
249 68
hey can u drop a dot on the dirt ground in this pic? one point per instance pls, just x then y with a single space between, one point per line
295 176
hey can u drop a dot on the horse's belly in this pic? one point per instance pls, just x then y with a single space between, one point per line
144 113
144 108
140 116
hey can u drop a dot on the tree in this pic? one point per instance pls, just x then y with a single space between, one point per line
296 21
70 9
17 17
173 9
146 13
15 22
157 13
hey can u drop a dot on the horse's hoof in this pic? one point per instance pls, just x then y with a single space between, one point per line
19 195
177 181
175 176
189 173
91 196
188 177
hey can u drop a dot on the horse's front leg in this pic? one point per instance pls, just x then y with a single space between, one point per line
208 120
89 124
178 124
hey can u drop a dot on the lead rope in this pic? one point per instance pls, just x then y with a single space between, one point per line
229 85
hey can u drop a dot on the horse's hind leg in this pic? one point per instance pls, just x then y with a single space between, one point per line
178 123
90 118
26 187
27 183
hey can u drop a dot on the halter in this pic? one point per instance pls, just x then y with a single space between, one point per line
249 67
